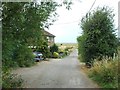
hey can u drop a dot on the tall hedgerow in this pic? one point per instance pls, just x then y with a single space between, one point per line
98 38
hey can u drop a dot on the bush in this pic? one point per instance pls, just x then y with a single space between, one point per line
68 48
56 55
66 52
80 58
11 80
105 72
81 48
44 50
54 48
24 57
98 37
8 54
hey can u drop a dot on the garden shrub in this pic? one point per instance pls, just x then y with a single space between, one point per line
54 48
56 55
44 50
66 53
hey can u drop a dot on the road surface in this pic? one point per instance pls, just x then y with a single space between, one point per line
56 73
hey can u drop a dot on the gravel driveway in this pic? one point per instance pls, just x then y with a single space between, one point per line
56 73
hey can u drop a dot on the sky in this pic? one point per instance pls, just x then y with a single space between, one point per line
67 28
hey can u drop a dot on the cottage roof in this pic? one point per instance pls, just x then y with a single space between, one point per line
48 34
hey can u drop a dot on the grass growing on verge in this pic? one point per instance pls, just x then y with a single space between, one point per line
105 72
10 80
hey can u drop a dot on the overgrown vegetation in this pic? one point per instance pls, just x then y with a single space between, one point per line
11 80
98 38
22 25
44 50
105 72
98 45
60 51
65 50
54 48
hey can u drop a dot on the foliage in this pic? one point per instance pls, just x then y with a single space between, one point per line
55 55
64 51
68 4
118 41
81 48
24 57
54 48
22 26
44 50
68 48
105 72
11 80
98 37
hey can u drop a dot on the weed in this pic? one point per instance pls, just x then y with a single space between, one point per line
105 72
11 80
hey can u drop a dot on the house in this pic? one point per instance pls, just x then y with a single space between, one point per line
50 37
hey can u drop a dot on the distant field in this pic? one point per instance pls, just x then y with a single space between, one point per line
67 44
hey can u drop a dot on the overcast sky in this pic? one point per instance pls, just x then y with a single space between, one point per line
66 28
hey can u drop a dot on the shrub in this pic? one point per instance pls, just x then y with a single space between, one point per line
68 48
66 52
44 50
80 58
8 53
55 55
24 56
11 80
98 38
54 48
105 72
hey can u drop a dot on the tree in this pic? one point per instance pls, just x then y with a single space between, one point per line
22 25
98 37
54 48
44 49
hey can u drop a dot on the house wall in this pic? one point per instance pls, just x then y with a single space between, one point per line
50 41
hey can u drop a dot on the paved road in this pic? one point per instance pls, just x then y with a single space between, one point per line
64 73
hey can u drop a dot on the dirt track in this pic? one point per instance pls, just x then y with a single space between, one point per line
56 73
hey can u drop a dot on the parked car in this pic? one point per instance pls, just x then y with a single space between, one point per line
38 56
